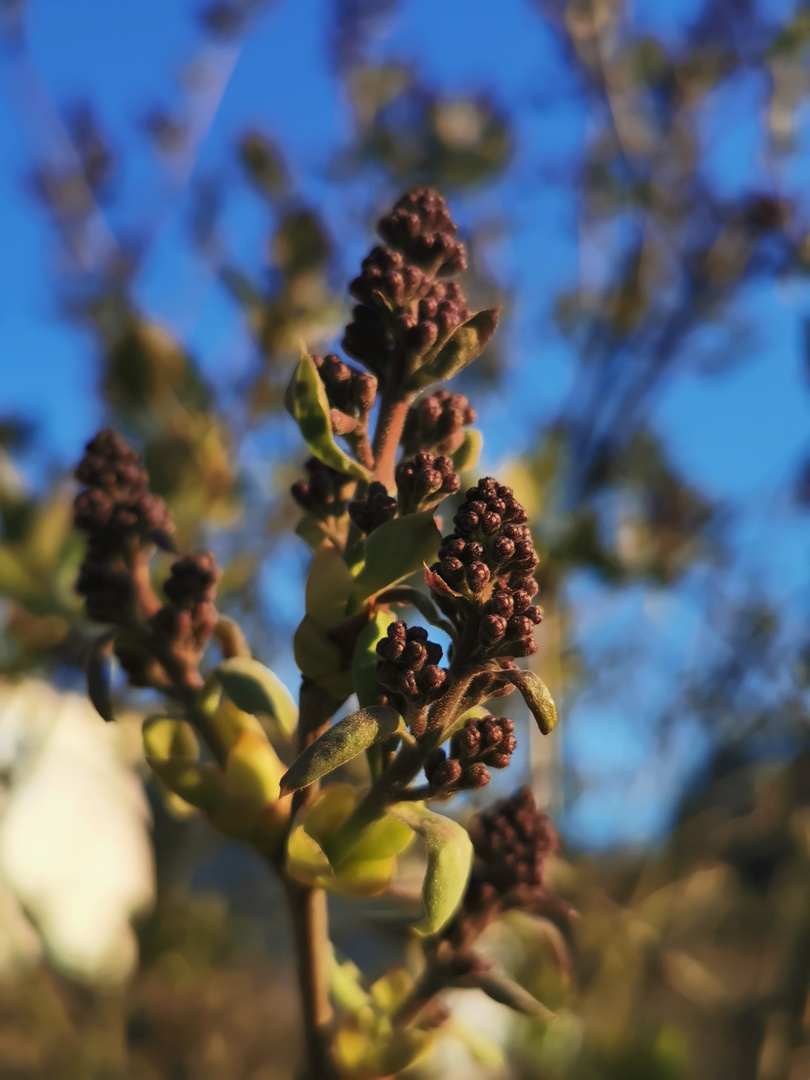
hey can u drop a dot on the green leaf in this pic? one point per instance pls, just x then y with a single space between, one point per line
309 532
406 594
449 860
346 984
364 660
309 407
339 744
255 689
466 457
172 751
536 695
320 659
329 585
99 676
396 550
462 347
366 872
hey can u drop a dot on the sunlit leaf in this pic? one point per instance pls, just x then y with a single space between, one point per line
253 688
536 695
341 743
464 345
396 550
449 860
309 407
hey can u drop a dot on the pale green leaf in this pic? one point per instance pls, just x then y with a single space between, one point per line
449 860
256 689
308 404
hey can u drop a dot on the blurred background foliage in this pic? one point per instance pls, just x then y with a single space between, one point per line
637 204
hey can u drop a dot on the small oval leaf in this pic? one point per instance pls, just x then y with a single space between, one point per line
463 346
536 695
342 742
449 860
253 688
308 405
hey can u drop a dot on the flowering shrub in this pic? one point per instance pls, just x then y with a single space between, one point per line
384 454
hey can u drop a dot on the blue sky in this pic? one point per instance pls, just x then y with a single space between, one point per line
737 435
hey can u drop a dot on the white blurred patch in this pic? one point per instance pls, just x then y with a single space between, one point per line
75 851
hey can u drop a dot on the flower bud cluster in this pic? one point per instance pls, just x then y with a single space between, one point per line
120 517
374 509
409 664
325 491
481 743
404 312
490 560
350 393
512 842
424 481
116 506
188 621
420 226
436 423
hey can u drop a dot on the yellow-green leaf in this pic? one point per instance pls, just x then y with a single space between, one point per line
253 688
449 860
536 695
341 743
307 402
463 346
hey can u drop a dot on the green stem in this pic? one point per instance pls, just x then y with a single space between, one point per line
308 911
392 784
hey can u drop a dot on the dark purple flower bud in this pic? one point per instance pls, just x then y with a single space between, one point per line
466 521
407 684
445 774
502 550
522 601
434 652
477 776
431 679
493 628
477 576
451 569
520 627
454 546
501 604
435 757
415 655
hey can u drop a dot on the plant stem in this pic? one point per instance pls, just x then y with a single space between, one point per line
403 769
308 912
311 937
393 411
